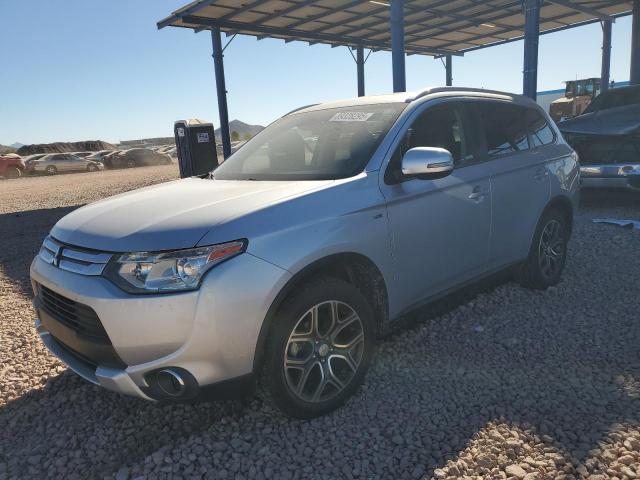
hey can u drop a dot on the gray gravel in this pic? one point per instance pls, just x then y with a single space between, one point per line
509 384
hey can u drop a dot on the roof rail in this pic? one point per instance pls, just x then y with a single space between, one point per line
430 90
300 108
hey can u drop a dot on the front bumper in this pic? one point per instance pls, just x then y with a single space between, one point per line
619 176
210 333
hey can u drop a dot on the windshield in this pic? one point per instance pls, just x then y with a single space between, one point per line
618 97
318 145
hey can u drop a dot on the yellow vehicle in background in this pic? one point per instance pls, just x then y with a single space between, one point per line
577 97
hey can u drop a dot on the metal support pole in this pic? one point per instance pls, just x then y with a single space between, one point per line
531 34
222 91
449 69
360 68
605 71
397 45
634 78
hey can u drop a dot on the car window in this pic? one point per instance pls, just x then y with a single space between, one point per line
510 128
313 145
441 126
539 130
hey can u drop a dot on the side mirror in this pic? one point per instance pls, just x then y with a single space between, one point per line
427 162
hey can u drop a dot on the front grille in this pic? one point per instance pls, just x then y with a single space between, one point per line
80 318
73 259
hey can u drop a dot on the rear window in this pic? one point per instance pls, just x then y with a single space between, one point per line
512 128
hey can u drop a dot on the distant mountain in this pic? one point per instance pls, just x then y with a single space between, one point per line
17 145
60 147
242 129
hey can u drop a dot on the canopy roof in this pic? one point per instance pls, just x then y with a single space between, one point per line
432 27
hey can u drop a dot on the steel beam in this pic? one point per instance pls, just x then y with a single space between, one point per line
360 68
221 88
337 39
397 45
531 38
448 65
606 56
546 32
634 78
582 9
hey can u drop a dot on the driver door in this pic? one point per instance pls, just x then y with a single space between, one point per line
440 228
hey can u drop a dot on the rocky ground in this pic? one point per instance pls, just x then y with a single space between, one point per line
508 384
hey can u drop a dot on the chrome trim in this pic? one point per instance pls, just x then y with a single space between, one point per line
72 259
86 256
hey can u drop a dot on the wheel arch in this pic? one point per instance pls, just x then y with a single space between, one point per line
564 205
355 268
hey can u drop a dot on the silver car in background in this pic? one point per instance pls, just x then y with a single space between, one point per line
64 162
289 261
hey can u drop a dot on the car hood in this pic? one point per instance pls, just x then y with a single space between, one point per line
172 215
616 121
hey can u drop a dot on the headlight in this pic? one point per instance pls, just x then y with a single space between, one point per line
179 270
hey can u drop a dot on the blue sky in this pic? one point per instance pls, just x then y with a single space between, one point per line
91 69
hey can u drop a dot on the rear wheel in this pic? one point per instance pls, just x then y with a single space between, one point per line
51 170
131 163
320 348
545 263
13 172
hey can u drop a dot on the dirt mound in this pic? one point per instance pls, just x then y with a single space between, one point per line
60 147
4 149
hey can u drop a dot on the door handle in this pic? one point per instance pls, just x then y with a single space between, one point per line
478 194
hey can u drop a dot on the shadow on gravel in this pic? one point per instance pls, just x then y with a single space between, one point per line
22 236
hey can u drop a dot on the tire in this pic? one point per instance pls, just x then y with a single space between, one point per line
51 170
548 254
91 168
314 371
131 164
13 172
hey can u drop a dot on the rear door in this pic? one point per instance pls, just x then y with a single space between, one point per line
519 167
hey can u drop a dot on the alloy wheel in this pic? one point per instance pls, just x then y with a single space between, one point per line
551 249
324 351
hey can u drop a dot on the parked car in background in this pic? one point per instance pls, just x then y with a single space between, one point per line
136 157
29 160
11 165
64 162
99 156
279 265
607 139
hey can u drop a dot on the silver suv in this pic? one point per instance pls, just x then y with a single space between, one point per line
287 262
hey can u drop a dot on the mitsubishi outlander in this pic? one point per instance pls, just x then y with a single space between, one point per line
284 266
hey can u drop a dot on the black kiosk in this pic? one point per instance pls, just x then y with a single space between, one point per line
196 147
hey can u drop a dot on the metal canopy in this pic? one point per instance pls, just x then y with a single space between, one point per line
432 27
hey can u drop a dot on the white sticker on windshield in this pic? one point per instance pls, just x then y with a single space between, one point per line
351 117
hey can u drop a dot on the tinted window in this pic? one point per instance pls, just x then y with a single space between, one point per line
440 126
512 128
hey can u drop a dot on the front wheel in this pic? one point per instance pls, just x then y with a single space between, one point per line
320 349
51 170
545 263
91 168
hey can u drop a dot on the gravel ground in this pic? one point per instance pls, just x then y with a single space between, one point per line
507 384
